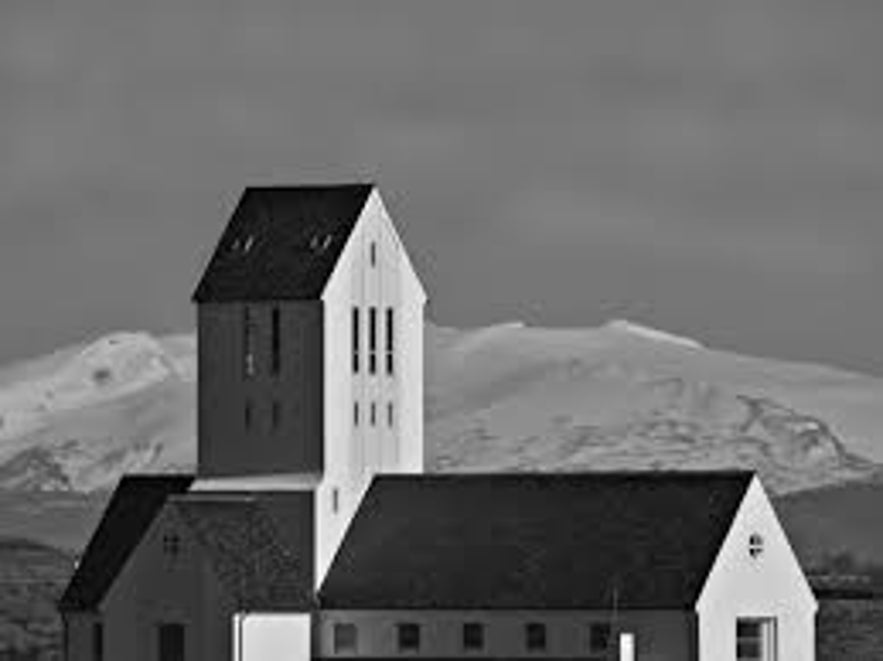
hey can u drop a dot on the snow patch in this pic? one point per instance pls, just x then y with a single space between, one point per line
631 328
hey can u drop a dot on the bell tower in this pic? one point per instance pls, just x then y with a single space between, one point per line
310 328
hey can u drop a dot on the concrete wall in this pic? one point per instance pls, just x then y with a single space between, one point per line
660 635
153 587
354 453
769 585
226 445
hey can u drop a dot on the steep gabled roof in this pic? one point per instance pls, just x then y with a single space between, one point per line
282 243
565 541
132 508
246 552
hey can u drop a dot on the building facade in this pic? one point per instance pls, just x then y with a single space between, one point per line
309 531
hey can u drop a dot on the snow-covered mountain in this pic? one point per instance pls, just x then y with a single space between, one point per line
503 397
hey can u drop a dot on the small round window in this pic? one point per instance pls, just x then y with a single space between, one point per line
755 545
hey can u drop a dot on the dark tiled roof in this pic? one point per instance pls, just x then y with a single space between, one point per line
132 508
282 243
534 541
246 552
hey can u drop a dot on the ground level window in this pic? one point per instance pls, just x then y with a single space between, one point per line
755 639
535 636
346 638
599 637
409 637
171 642
473 636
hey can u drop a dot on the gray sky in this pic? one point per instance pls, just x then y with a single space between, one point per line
711 168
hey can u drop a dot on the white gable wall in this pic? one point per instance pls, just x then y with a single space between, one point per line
771 585
354 454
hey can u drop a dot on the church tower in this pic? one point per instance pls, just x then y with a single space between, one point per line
310 327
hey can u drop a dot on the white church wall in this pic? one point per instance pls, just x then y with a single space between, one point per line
770 584
353 453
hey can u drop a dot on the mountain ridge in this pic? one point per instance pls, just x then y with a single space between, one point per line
508 396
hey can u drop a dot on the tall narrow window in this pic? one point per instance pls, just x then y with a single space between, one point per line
97 641
355 414
374 253
373 414
354 333
390 335
372 340
171 642
247 414
390 415
627 646
335 500
248 332
276 341
277 414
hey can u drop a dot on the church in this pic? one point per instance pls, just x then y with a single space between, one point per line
309 530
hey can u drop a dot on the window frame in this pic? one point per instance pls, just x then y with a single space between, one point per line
536 637
765 640
336 634
408 636
390 341
355 337
472 637
372 340
249 360
165 628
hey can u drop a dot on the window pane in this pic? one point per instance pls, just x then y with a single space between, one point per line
372 340
345 638
409 636
599 637
536 636
171 642
473 636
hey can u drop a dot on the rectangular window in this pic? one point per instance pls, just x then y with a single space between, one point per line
373 414
373 253
535 636
249 367
277 414
599 637
390 415
409 637
276 341
354 332
372 340
755 639
473 636
335 500
355 414
389 341
247 414
98 641
346 638
171 642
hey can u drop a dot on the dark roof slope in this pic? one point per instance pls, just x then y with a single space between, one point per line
246 552
132 508
282 243
534 541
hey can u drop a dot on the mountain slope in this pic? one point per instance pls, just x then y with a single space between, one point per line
502 397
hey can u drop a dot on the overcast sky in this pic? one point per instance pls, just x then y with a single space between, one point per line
711 168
